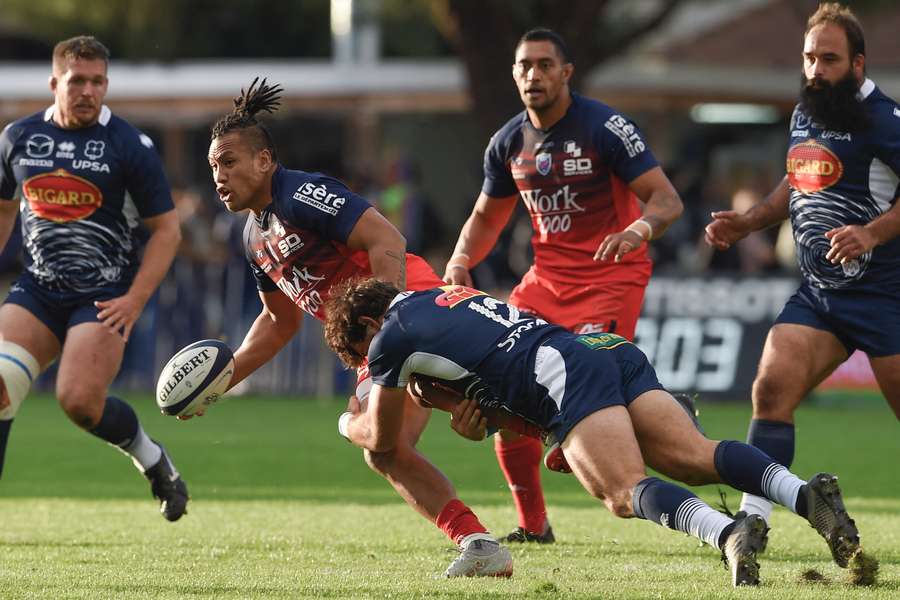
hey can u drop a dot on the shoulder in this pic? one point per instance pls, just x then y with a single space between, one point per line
504 136
17 128
126 133
885 111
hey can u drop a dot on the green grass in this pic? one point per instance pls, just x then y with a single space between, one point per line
284 508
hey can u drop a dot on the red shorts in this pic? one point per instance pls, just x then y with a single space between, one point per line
419 276
610 307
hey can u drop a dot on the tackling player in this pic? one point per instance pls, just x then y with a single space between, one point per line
580 168
88 180
305 233
597 394
840 192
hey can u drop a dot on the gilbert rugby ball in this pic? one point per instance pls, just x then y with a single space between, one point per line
194 378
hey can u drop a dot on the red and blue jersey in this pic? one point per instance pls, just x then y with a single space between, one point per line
82 194
298 243
842 178
573 179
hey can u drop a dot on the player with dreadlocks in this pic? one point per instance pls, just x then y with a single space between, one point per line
305 233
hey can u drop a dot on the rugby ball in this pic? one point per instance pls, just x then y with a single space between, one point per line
194 378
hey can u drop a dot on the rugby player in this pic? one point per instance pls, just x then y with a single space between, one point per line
88 180
840 192
582 170
305 233
597 394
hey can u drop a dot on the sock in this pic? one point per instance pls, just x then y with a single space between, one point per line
776 439
458 521
750 470
119 427
520 461
4 435
674 507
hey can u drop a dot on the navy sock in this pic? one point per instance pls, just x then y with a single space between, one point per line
775 438
658 501
4 435
742 466
118 425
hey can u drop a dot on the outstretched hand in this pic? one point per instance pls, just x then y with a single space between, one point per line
727 227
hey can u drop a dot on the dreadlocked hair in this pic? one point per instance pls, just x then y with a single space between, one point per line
255 99
350 300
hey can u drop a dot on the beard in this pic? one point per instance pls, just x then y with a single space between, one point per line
834 106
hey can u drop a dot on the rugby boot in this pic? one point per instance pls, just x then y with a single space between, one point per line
521 536
827 515
481 557
167 487
747 539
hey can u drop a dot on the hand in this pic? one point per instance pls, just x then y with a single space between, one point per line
354 406
618 245
4 395
457 274
119 314
726 228
199 413
466 420
849 242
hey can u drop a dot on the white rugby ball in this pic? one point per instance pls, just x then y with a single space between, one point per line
194 378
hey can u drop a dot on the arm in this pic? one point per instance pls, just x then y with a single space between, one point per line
121 313
851 241
728 227
385 245
478 236
279 320
662 206
8 211
378 427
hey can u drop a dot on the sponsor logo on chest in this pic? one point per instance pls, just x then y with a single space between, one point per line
812 167
559 202
320 198
60 196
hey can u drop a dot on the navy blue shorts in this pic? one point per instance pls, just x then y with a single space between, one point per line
587 373
867 321
59 310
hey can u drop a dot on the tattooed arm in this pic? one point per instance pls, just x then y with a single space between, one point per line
385 245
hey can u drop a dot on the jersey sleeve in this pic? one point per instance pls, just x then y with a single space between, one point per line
387 355
887 140
8 182
623 147
498 179
264 283
322 204
145 179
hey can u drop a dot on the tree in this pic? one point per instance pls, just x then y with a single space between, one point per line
484 33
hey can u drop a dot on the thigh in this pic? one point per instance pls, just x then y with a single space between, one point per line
887 374
19 326
90 360
604 453
795 359
669 441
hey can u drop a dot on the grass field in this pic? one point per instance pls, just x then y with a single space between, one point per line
284 508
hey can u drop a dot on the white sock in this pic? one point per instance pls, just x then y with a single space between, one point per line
696 517
464 543
756 505
143 451
782 486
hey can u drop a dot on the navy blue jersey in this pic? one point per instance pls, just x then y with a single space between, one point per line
455 332
842 178
573 179
83 193
298 244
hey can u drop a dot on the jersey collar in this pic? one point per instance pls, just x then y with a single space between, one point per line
865 89
105 114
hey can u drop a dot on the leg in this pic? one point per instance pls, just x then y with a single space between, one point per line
82 394
795 359
519 458
26 346
887 374
619 479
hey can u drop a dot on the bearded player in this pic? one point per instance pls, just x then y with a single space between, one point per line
582 170
840 192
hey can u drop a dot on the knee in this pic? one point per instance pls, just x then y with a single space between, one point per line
619 503
769 397
84 409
